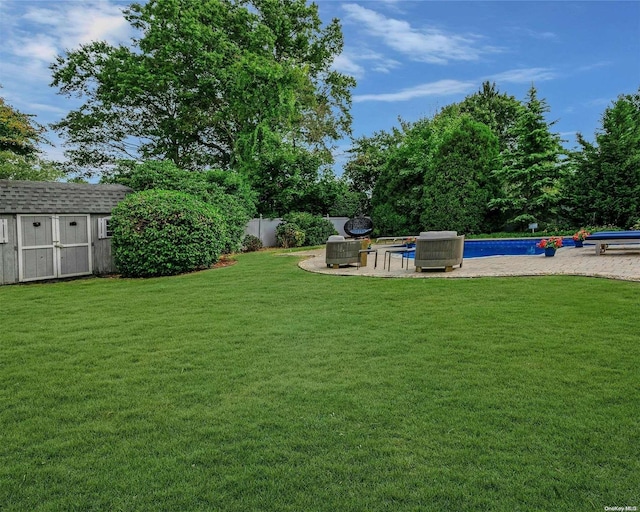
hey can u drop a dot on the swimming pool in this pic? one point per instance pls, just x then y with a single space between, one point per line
503 247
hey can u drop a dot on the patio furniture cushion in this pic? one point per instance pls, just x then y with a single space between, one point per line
602 239
438 234
618 235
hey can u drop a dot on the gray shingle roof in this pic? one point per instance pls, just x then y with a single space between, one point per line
53 197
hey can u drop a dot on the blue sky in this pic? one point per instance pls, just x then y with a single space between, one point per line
410 58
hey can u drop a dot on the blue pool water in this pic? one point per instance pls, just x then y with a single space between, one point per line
503 247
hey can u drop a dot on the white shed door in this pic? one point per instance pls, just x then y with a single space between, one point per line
51 246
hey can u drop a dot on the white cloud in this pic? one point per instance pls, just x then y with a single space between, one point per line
426 45
68 26
600 102
100 22
534 34
548 36
43 16
595 65
26 73
390 4
347 64
439 88
41 107
358 63
380 63
35 32
524 75
449 86
41 48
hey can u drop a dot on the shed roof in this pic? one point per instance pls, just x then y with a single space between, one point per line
53 197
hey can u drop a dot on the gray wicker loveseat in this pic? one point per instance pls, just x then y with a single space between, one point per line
342 252
439 249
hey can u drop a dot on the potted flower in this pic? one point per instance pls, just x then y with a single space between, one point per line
579 237
550 245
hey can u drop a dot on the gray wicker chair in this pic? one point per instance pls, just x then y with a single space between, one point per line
342 252
439 249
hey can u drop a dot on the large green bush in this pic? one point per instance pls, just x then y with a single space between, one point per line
227 191
315 227
162 232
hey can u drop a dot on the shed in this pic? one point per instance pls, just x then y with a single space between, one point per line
52 230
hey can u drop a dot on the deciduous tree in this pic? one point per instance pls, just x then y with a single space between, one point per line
19 133
205 83
397 195
20 136
499 111
368 156
20 167
460 179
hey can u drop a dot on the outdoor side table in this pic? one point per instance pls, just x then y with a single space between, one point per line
397 250
369 251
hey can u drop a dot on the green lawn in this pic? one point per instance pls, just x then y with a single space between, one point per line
261 387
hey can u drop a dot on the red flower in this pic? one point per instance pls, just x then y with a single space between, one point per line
554 242
581 235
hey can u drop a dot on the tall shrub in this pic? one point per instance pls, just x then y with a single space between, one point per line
316 228
227 191
289 234
460 181
162 232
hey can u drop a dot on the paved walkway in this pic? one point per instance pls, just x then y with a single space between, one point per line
614 264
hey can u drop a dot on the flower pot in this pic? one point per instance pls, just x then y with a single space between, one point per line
577 243
550 251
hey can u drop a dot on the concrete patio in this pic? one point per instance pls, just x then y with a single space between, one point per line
614 264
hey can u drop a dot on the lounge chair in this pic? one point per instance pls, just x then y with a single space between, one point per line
342 252
439 249
602 239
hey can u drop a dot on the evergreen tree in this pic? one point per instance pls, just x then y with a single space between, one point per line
532 171
604 187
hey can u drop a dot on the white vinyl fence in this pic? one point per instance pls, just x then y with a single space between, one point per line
265 229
